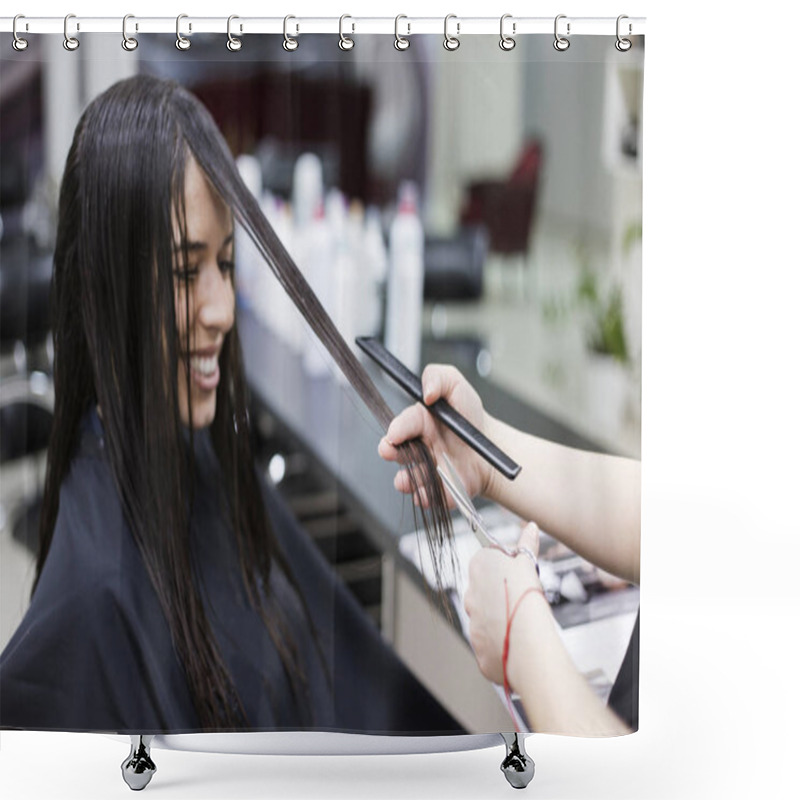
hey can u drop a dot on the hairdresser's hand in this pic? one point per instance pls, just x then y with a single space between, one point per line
440 381
490 572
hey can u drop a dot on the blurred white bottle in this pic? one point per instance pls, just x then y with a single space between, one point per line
374 275
307 199
319 271
345 243
406 277
248 259
307 189
277 310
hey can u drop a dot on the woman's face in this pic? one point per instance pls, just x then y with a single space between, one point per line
201 332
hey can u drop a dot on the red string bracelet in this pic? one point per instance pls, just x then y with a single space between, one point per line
507 641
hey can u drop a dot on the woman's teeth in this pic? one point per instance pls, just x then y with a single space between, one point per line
205 366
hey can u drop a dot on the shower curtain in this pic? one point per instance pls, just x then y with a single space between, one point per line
471 205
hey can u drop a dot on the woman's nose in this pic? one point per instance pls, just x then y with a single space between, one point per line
218 302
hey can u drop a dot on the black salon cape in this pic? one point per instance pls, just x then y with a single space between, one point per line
94 653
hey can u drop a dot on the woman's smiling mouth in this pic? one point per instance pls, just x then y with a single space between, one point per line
204 366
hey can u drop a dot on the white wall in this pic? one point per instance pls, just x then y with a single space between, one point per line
567 102
476 123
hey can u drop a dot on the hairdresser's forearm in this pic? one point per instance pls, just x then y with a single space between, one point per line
554 694
589 501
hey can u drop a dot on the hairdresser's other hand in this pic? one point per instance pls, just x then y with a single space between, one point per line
490 571
440 381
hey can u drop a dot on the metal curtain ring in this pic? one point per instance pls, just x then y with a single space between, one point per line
400 42
233 44
623 45
19 44
129 43
182 43
507 42
70 42
345 42
561 43
289 44
451 43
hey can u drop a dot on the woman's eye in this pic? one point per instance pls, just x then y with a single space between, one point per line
226 266
188 274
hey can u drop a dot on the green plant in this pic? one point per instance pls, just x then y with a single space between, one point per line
607 320
632 234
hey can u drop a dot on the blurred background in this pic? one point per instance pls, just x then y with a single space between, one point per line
479 208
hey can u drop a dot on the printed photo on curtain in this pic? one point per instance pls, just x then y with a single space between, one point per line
218 512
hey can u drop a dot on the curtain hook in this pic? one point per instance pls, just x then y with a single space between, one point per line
19 43
233 44
289 44
129 43
623 45
345 42
451 43
400 42
70 42
507 42
182 43
561 43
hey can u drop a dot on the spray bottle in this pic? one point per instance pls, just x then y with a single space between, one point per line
406 276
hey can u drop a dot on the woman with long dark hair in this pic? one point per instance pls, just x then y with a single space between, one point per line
173 590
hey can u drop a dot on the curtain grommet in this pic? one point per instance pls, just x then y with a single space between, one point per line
290 44
70 42
233 44
451 43
400 42
623 45
129 43
345 42
507 43
181 42
561 43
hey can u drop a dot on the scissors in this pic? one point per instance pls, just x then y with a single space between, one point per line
464 503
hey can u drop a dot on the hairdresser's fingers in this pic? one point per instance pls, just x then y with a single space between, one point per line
411 423
402 482
440 380
529 538
386 450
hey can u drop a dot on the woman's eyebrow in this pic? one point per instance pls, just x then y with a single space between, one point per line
193 247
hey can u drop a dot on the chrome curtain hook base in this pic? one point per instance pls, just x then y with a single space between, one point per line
138 768
517 766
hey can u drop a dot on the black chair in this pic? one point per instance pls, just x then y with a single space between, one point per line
454 265
454 272
26 388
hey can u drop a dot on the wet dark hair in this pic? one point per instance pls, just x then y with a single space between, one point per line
116 346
